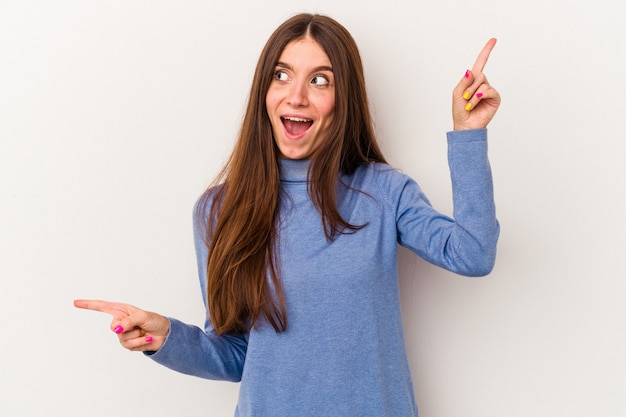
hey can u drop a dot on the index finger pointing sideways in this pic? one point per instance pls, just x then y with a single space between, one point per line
96 305
114 309
483 56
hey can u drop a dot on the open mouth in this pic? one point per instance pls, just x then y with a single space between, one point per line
296 126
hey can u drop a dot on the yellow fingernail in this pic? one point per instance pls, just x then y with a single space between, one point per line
466 95
468 106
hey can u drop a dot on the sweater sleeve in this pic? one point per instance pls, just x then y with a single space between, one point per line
202 352
465 244
193 351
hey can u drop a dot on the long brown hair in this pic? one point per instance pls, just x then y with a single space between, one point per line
239 212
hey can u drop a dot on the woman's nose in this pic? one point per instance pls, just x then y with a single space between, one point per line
297 95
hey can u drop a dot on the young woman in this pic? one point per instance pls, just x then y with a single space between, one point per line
297 239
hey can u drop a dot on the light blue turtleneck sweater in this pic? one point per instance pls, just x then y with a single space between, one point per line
343 353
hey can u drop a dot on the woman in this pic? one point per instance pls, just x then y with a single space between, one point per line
297 240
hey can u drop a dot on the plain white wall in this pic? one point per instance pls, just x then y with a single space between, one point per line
114 115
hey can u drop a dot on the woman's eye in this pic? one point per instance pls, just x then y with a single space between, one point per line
320 80
281 76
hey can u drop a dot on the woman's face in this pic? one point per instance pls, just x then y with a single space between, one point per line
300 100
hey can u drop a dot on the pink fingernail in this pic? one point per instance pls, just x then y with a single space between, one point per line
118 329
467 74
479 95
149 339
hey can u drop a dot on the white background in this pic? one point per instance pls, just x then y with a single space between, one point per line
114 116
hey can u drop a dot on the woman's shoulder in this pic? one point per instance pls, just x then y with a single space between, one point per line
381 174
204 203
202 210
381 181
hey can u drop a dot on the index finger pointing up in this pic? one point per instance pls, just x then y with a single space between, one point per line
483 56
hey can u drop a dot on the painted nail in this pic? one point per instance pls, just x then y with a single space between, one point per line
118 329
479 95
467 74
466 95
468 106
149 339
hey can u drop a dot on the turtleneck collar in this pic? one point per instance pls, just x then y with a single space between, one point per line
294 170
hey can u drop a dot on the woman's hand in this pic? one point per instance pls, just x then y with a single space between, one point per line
474 101
137 330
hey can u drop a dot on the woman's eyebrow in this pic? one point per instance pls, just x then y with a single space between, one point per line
316 69
323 68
